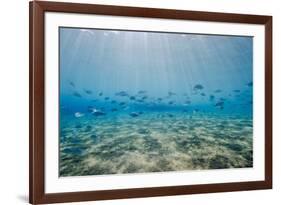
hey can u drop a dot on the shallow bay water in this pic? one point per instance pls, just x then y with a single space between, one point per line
140 102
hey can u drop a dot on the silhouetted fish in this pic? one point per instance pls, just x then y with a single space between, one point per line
106 98
184 110
122 103
142 92
101 93
170 115
122 93
72 84
114 110
218 91
89 92
203 94
171 102
212 97
140 112
113 101
187 102
219 104
236 91
171 93
125 107
132 98
250 84
198 87
76 94
134 114
159 99
144 97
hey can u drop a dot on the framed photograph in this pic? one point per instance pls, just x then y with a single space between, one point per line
139 102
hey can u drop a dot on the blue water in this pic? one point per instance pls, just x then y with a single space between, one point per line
122 88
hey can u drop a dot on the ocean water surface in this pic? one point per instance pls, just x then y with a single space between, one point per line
140 102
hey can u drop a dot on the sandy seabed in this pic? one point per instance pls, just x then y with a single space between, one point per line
154 143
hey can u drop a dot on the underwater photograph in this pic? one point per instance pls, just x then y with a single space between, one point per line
143 102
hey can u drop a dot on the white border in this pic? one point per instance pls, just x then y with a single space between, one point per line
54 184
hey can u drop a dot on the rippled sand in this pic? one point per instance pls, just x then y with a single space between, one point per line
154 143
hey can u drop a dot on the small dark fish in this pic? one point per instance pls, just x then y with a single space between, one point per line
101 93
89 92
132 98
219 104
140 101
187 102
122 93
198 87
250 84
114 110
171 93
222 99
212 97
72 84
184 110
159 99
122 103
236 91
94 100
140 112
218 91
170 115
106 98
134 114
144 97
76 94
113 101
171 102
142 92
203 94
196 110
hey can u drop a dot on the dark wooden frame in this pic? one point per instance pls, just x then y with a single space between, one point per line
37 96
